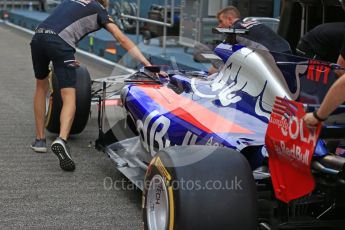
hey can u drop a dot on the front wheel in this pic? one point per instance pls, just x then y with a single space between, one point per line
216 190
83 103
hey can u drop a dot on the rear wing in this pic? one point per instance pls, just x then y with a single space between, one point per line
230 32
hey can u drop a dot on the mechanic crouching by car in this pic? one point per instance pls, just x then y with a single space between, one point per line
325 42
258 36
55 40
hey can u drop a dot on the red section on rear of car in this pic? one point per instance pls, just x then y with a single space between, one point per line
291 146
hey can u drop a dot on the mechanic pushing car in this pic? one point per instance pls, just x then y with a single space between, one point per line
55 40
325 42
258 36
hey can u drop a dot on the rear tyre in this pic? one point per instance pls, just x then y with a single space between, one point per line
216 191
83 103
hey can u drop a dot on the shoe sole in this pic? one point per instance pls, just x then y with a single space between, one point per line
39 149
66 163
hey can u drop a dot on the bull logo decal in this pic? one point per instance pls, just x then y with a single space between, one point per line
249 72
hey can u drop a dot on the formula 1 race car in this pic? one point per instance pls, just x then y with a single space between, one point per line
230 150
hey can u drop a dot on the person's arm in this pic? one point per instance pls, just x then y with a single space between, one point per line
212 70
334 97
126 43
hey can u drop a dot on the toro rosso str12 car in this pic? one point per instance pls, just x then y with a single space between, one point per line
230 150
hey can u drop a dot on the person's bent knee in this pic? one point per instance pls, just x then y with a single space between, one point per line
68 92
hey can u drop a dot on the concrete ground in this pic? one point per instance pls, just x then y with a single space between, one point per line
34 192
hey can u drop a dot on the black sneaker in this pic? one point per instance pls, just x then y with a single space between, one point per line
61 150
39 146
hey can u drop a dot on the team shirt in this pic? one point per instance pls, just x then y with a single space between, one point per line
327 40
261 36
74 19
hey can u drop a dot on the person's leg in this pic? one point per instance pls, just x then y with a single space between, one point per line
42 87
41 68
59 146
66 77
65 69
68 96
63 55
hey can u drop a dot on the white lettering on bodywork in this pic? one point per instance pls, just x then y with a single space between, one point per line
251 72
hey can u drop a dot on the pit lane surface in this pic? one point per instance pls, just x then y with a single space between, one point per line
34 192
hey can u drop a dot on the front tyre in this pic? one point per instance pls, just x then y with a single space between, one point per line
216 191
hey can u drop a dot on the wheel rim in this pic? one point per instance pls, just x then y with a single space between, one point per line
157 204
49 100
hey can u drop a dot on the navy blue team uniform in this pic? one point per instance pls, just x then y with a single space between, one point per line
324 42
260 36
56 37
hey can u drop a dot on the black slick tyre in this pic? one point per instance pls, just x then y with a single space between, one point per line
83 103
216 190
